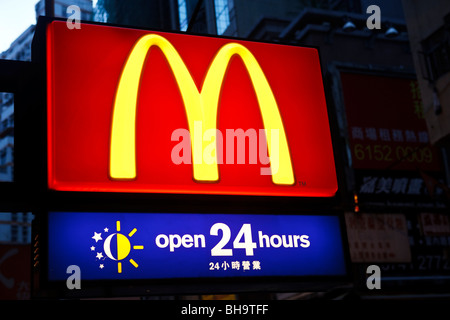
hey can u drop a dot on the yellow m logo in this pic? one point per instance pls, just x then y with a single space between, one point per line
200 106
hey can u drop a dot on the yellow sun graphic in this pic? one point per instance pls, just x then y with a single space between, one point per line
123 247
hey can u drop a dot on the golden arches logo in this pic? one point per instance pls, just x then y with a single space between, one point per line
200 106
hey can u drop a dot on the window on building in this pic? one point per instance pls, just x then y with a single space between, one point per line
2 160
222 15
182 13
15 227
6 137
436 50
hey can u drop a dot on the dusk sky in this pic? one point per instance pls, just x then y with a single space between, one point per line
15 17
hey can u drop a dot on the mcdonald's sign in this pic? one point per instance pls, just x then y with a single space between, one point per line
152 112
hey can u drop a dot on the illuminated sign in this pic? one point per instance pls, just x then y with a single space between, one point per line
129 246
388 138
138 111
390 132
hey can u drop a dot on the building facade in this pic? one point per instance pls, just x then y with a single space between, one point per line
429 33
60 8
15 227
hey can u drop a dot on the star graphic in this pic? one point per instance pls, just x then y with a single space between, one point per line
92 248
101 266
97 236
99 255
106 229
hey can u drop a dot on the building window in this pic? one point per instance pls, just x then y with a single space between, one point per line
222 15
3 161
182 13
14 228
436 51
437 54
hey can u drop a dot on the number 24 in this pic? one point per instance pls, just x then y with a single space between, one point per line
245 233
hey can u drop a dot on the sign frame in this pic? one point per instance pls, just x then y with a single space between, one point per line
46 200
313 191
42 286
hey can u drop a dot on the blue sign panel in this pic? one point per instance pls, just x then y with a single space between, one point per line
181 245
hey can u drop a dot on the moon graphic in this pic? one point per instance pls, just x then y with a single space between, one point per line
123 246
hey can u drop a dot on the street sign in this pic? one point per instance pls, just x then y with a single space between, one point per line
149 246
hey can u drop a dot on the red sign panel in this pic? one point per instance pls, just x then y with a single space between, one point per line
151 112
386 124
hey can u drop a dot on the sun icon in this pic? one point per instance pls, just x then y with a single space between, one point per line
117 246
